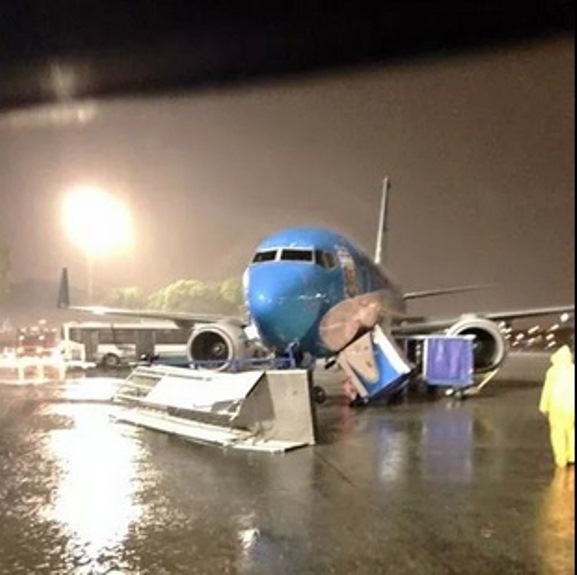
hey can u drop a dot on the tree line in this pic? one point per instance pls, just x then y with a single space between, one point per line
192 295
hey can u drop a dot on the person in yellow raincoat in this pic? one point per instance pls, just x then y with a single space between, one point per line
558 404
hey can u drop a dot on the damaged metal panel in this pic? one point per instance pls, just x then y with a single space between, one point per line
269 411
375 365
281 406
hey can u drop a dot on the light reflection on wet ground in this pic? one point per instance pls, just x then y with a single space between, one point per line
418 487
96 496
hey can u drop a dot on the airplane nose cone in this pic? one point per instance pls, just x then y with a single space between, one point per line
284 303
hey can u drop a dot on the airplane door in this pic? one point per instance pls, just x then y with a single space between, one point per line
347 264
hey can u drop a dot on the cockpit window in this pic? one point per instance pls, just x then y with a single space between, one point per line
325 259
320 257
264 256
293 255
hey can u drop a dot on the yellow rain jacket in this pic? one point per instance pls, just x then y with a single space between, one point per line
558 403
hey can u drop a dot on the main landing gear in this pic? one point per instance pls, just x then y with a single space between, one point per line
304 360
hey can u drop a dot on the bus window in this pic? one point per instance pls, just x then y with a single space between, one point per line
106 336
74 334
121 343
124 336
168 336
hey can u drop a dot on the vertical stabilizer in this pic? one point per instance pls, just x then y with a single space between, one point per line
380 247
64 291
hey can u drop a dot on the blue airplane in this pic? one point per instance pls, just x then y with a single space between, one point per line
314 292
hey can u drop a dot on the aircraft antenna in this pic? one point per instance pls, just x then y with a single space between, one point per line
382 230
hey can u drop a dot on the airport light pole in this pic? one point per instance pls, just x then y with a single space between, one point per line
98 223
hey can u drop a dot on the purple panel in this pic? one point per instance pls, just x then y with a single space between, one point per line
448 361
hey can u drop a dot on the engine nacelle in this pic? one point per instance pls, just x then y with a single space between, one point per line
489 347
218 345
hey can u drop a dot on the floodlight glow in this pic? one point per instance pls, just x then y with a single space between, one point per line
96 221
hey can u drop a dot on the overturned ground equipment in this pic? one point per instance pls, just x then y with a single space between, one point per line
375 366
255 410
444 361
378 366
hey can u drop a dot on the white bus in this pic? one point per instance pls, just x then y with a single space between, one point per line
113 344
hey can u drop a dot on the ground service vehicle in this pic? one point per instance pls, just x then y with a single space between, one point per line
112 344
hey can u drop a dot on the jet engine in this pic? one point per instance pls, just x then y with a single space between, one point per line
489 347
218 344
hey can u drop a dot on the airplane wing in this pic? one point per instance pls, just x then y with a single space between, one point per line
183 319
444 291
426 325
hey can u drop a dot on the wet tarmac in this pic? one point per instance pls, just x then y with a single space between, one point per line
427 486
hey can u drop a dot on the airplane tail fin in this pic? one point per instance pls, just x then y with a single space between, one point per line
64 290
382 230
445 291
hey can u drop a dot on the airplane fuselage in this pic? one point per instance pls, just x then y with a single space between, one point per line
298 274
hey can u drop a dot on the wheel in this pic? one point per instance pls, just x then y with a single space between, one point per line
358 401
455 393
319 394
110 361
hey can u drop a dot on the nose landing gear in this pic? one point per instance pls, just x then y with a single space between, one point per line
304 360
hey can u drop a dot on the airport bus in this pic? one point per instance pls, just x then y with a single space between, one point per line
113 344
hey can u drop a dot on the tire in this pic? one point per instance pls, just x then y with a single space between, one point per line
319 394
111 361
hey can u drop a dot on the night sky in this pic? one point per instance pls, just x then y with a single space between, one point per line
479 149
